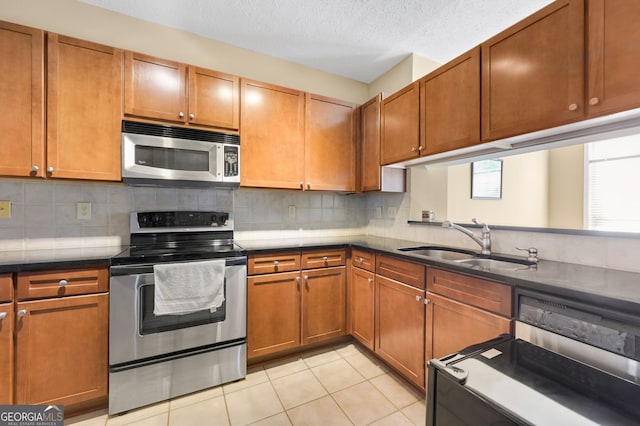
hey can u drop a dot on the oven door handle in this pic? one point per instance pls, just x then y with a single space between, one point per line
147 268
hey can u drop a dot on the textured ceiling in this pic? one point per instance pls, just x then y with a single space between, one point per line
359 39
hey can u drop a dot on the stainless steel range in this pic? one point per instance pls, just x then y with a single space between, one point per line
153 356
571 363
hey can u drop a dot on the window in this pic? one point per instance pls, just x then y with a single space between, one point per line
486 180
612 178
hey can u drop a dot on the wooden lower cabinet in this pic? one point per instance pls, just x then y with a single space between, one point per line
455 325
273 306
323 304
62 350
400 327
6 353
362 306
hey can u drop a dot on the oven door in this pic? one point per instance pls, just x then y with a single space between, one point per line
135 333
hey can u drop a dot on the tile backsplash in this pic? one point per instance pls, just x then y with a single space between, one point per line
44 216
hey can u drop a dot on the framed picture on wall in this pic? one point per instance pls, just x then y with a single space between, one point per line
486 180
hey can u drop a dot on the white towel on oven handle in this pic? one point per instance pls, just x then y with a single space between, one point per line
182 288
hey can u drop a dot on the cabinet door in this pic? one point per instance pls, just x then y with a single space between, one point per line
454 326
362 306
214 98
323 304
370 145
21 109
154 88
6 353
330 144
533 72
613 61
400 316
272 135
84 109
273 313
61 350
451 113
400 115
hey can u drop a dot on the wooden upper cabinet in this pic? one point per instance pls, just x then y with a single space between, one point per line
22 106
170 91
214 98
400 115
533 72
330 144
155 88
451 105
84 109
272 136
613 35
370 145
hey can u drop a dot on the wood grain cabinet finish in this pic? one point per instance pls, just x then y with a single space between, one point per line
6 353
273 313
273 262
533 72
62 350
40 284
22 107
400 327
451 105
167 90
323 258
323 304
330 144
272 145
363 259
400 129
401 270
84 109
370 145
362 305
6 287
464 310
613 35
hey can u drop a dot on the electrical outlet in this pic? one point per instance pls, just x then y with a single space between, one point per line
83 211
292 212
392 211
378 212
5 209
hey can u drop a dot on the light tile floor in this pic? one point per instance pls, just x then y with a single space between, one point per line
334 386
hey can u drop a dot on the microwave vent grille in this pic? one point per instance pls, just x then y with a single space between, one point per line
178 132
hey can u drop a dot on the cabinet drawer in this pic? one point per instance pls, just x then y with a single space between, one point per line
33 285
401 270
323 258
6 288
270 263
363 259
484 294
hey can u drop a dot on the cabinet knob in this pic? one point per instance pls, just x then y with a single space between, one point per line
370 280
306 277
50 169
594 101
426 301
325 258
35 168
573 107
192 116
308 185
181 114
301 185
418 298
414 149
420 148
22 312
3 315
276 263
361 260
63 283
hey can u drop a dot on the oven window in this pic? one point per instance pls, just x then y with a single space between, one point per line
150 323
172 158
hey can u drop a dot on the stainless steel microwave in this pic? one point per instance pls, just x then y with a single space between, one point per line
161 155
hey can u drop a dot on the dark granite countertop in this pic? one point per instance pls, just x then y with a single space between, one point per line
605 287
30 260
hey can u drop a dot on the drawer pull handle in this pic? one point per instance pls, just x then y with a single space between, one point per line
63 283
22 312
3 315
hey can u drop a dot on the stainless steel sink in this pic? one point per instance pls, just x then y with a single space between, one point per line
440 252
488 263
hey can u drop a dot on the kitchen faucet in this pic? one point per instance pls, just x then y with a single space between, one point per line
484 242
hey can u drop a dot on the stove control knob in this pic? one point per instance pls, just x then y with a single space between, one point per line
214 220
